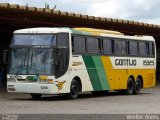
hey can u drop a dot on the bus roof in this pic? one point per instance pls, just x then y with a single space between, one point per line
46 30
82 31
109 33
98 31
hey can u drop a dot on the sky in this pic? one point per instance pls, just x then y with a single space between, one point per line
135 10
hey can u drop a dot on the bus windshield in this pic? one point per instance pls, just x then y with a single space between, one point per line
41 61
18 63
33 39
31 61
37 54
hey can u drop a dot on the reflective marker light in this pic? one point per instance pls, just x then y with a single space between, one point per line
50 81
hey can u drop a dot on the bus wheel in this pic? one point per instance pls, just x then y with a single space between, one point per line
74 89
130 87
137 86
36 96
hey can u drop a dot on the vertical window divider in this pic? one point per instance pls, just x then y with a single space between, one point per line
102 45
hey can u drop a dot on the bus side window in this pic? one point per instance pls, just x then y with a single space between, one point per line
142 48
147 49
151 46
127 47
133 48
107 48
62 39
120 47
92 45
78 44
123 47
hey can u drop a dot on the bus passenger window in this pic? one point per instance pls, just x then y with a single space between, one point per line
153 52
142 48
78 44
147 49
107 46
93 46
133 48
151 46
123 47
118 46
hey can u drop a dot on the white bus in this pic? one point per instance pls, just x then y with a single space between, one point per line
73 60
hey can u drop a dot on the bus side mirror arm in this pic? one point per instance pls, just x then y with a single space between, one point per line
5 57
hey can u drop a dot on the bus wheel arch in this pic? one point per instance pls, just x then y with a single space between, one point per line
75 88
79 81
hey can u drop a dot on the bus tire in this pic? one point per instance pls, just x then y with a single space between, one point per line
36 96
74 89
137 86
130 87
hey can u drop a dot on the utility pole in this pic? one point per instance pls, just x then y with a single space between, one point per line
47 6
54 7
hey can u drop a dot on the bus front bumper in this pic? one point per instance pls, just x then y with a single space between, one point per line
33 88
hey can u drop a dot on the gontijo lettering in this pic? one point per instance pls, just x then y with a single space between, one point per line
125 62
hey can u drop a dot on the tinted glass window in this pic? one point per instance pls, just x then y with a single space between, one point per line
62 39
117 47
152 48
147 49
120 47
107 46
78 44
133 48
34 40
123 47
142 48
93 45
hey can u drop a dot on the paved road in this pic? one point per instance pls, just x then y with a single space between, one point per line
147 102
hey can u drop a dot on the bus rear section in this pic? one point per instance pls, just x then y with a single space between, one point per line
114 61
